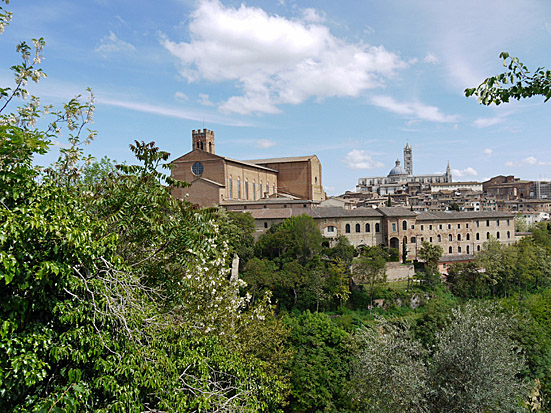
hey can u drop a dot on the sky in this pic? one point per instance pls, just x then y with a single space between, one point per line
349 81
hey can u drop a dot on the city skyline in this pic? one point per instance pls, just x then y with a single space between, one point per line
351 82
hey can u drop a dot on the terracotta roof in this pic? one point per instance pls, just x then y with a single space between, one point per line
457 258
447 215
280 160
396 212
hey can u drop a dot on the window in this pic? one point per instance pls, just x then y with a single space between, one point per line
468 237
468 250
458 226
347 228
357 227
487 235
265 225
230 186
497 222
430 239
440 226
331 229
197 168
404 225
422 239
449 226
273 189
238 188
412 226
430 227
422 227
477 236
413 240
439 238
254 191
497 235
247 190
450 237
508 222
267 188
459 249
508 234
487 222
467 226
377 227
393 227
478 248
477 223
450 250
459 237
367 228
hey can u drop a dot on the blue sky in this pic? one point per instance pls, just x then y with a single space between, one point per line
349 81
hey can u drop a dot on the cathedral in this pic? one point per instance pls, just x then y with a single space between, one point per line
401 179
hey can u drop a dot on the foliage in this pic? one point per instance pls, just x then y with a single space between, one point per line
430 254
369 270
476 366
241 225
320 367
516 83
390 373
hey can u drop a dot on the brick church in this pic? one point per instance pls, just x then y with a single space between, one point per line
216 180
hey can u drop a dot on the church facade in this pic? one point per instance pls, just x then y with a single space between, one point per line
218 180
401 179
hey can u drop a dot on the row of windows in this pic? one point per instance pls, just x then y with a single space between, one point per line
405 225
467 238
359 228
488 222
246 189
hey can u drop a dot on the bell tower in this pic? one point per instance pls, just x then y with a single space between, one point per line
408 159
202 140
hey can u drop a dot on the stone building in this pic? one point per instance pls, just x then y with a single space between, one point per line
460 234
217 180
402 179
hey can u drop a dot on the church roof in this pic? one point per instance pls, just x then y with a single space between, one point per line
397 170
284 159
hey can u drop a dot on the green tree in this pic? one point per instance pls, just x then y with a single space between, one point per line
320 366
430 255
466 280
516 83
476 365
390 372
369 270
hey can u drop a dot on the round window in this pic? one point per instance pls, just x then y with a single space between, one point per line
197 168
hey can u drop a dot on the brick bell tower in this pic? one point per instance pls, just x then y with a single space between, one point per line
202 140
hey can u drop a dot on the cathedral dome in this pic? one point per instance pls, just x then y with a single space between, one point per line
397 170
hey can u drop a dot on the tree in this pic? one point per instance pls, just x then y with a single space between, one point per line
430 254
476 365
369 269
516 83
390 373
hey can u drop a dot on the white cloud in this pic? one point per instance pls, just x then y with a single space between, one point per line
312 16
264 143
529 161
485 122
181 97
112 44
414 110
204 100
461 173
329 188
431 58
487 151
274 60
361 159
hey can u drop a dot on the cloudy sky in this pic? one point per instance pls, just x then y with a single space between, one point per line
349 81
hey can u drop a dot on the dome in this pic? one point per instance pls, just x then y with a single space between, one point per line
397 170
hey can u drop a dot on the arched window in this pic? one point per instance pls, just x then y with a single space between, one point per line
497 235
357 227
487 235
247 190
459 249
347 228
404 225
238 188
450 238
468 237
254 191
477 236
367 228
230 188
439 238
508 234
459 237
468 250
450 249
478 248
377 227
